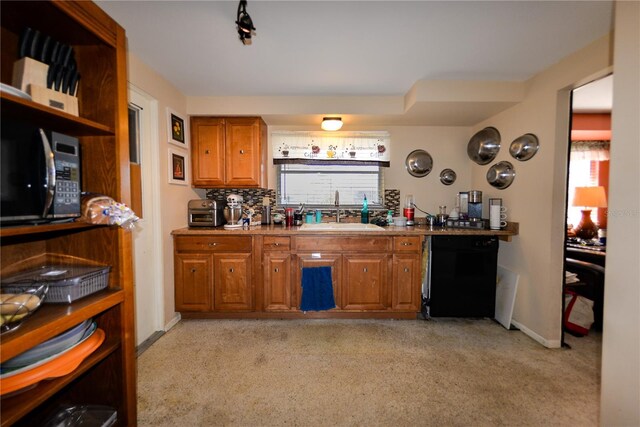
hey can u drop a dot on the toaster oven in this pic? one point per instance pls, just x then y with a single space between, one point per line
205 213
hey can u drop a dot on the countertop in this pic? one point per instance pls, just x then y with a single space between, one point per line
422 230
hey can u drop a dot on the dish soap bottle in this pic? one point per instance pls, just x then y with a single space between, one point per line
389 217
364 213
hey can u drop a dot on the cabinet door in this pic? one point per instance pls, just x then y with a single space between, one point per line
365 282
193 282
277 281
405 286
319 260
243 152
232 282
207 148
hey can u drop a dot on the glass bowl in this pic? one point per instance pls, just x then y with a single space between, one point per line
16 306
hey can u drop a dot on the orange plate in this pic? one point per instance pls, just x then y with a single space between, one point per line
58 367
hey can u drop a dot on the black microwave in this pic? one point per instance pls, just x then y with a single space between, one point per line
40 174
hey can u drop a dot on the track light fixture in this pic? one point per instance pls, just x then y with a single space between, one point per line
331 123
244 23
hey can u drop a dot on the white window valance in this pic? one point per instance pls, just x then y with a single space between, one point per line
333 148
595 151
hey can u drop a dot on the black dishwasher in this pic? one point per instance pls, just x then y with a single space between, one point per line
463 276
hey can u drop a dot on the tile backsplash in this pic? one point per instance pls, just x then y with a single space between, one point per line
253 199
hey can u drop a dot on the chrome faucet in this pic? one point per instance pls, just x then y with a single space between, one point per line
337 203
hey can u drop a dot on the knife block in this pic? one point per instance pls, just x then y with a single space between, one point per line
30 76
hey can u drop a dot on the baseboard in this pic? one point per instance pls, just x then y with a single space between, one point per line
148 342
173 322
545 342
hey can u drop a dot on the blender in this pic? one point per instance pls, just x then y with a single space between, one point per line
409 209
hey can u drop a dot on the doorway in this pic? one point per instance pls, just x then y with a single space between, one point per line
586 210
143 123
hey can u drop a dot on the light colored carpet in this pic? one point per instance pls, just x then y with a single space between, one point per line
443 372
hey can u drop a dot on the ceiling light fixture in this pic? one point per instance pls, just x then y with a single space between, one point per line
331 123
244 23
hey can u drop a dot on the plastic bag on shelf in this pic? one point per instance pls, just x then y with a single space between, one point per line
101 209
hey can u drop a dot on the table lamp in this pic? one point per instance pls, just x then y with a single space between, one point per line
588 197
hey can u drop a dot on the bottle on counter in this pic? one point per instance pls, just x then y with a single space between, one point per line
364 213
390 217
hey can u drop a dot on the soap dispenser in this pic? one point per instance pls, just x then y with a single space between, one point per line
364 213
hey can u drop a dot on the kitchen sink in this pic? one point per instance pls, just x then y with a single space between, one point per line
340 226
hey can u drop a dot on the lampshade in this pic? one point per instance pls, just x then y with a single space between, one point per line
590 197
331 123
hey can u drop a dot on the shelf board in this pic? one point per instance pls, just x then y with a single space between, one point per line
53 319
21 230
52 119
17 406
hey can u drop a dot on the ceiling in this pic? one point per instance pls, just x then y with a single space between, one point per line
354 48
594 97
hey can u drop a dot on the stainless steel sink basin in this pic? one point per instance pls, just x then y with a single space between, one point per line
340 226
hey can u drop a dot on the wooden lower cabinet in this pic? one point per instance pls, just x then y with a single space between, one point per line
406 277
193 279
213 273
263 274
365 282
277 281
232 289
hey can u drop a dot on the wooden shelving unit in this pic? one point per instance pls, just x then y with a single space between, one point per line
108 375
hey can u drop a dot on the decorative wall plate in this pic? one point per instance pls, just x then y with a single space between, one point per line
484 146
524 147
419 163
448 176
501 175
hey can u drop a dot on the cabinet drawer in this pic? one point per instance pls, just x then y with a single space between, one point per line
276 243
407 243
343 244
212 243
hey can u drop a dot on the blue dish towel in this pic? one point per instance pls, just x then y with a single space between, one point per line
317 289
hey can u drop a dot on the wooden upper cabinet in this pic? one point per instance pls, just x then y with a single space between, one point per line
207 148
229 152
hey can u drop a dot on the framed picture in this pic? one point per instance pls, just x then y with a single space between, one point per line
177 131
178 167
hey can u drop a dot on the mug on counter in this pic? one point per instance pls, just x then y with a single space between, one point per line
497 214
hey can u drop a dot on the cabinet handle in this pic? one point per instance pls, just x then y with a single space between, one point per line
406 269
406 244
231 270
206 151
276 270
212 244
241 151
276 244
364 269
193 270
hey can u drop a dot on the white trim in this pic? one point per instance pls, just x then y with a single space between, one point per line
545 342
173 322
151 187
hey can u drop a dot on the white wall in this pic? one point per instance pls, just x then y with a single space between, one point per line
536 199
173 198
620 401
447 147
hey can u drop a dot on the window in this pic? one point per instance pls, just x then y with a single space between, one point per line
316 185
588 167
582 173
